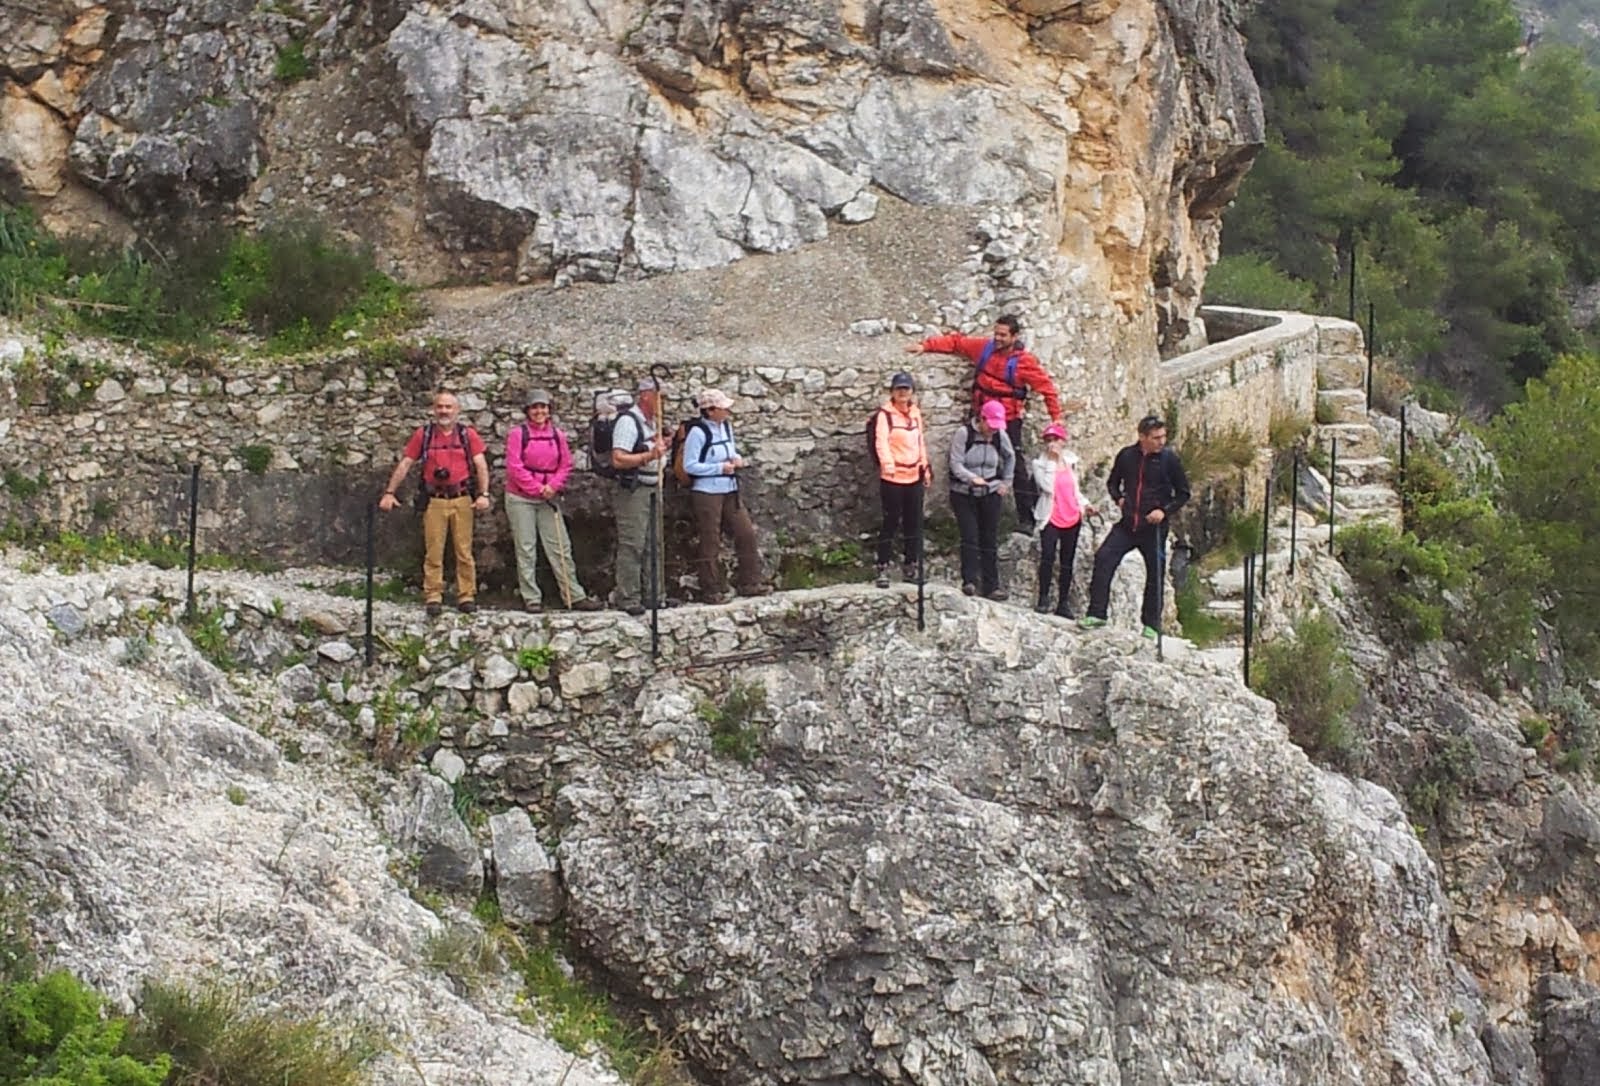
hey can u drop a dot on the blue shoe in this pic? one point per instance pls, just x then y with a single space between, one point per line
1089 622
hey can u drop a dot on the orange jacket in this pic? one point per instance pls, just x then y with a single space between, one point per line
991 384
902 447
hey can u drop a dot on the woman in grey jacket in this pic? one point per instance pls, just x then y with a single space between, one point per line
982 463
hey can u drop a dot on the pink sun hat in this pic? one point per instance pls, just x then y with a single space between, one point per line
994 413
1055 430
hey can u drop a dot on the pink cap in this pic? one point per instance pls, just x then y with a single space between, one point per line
994 413
1055 430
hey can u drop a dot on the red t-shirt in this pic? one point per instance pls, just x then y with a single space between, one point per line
446 451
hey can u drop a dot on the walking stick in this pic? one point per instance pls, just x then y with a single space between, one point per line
922 552
659 373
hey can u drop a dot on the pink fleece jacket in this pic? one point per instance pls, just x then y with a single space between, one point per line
543 459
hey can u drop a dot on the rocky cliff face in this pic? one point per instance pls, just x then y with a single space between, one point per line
997 851
567 141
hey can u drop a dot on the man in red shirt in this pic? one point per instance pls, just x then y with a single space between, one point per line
455 480
1005 371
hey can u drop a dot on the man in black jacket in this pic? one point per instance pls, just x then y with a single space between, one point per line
1148 484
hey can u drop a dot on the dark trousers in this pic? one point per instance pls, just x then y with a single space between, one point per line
1110 555
902 512
978 517
713 515
1022 479
1049 539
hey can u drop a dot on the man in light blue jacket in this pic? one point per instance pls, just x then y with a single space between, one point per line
711 460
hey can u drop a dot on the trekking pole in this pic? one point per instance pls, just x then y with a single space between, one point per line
1352 311
372 555
1249 610
659 372
194 515
922 555
1333 486
1161 586
651 532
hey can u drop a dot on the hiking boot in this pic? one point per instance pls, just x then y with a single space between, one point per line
634 609
882 579
1043 606
1151 632
1089 622
999 595
1064 612
533 607
969 589
466 607
908 573
666 604
588 603
434 609
715 598
756 590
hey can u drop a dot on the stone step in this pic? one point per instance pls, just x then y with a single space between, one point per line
1359 441
1233 609
1342 370
1376 496
1342 405
1365 470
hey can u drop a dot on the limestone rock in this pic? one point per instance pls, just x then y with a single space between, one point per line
498 672
1569 1031
583 679
526 881
422 819
299 684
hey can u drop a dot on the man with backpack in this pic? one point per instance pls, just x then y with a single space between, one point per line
1148 482
708 458
1004 372
899 448
454 485
981 466
632 456
538 462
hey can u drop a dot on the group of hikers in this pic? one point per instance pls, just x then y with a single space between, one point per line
630 447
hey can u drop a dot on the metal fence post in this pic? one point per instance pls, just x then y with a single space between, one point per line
1249 610
656 588
194 520
1352 278
1372 335
922 556
1294 504
372 557
1333 488
1266 527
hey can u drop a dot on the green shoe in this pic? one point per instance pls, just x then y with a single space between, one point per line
1089 622
1151 632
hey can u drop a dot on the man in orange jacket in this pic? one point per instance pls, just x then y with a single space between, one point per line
1005 371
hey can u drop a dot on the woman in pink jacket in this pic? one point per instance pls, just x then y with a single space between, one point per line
538 461
901 450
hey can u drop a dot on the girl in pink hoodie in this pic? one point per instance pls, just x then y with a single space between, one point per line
1059 511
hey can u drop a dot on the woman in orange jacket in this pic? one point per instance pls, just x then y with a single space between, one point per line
900 448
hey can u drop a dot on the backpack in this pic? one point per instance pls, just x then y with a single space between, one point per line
600 428
972 437
422 461
1017 391
680 440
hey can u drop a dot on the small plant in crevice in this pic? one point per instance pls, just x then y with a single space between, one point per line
209 636
736 729
1310 678
1447 771
402 730
536 658
292 64
578 1016
255 458
465 953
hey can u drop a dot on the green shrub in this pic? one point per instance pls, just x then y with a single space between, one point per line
216 1039
1252 280
1208 457
1199 625
1436 791
1404 578
1311 680
577 1017
292 65
735 728
52 1032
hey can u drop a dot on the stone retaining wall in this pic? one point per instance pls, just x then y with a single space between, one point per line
96 437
